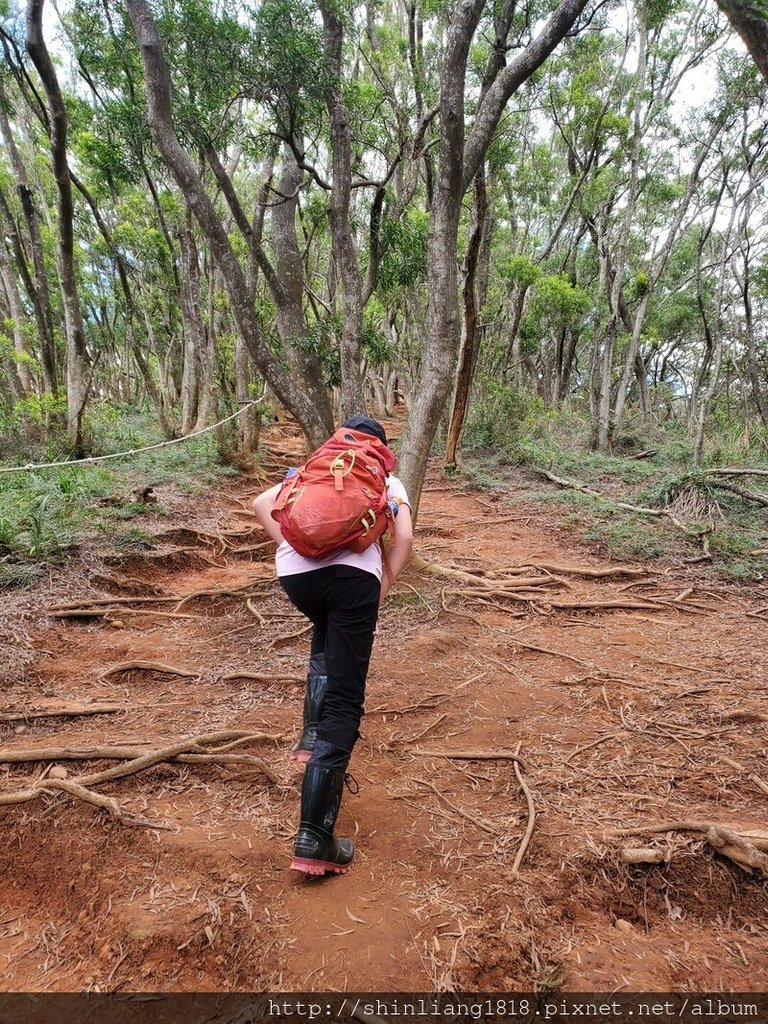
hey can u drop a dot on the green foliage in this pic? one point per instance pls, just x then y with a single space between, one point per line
404 261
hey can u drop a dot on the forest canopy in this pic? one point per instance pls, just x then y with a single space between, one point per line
464 207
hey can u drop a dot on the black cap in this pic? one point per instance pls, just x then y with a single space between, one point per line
366 425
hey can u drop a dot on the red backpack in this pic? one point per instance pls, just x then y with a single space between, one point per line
338 498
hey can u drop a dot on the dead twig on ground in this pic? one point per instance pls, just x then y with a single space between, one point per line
545 650
430 701
479 822
594 743
697 534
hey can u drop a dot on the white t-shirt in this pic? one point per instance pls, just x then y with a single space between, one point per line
288 562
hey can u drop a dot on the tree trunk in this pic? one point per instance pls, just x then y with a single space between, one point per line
77 390
460 161
352 399
192 328
307 401
38 293
470 334
22 374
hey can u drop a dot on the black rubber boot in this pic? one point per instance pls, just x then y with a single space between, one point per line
317 681
317 850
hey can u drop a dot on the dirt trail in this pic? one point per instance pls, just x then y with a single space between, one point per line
623 719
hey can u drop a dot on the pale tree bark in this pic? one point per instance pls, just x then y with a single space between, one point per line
192 328
38 291
470 335
713 331
459 162
289 270
77 387
308 404
21 375
352 400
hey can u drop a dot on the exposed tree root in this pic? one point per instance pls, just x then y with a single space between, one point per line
148 666
263 677
112 753
641 855
588 746
102 612
595 605
432 700
587 573
67 712
755 837
82 785
471 755
531 814
755 779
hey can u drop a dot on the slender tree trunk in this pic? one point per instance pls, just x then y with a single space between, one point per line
192 328
344 251
38 293
77 389
470 334
21 370
308 400
460 160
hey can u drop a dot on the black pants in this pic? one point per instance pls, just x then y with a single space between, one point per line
342 603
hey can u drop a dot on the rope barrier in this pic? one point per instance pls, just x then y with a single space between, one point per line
31 468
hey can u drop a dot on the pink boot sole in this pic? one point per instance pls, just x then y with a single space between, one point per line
319 867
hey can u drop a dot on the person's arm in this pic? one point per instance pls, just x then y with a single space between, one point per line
262 506
400 552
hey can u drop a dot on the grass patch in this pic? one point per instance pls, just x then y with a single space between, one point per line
45 514
663 479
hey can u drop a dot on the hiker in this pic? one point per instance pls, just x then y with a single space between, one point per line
341 593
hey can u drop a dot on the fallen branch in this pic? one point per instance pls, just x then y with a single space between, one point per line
737 849
734 471
641 855
760 499
699 535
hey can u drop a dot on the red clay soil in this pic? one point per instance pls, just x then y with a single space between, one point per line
647 712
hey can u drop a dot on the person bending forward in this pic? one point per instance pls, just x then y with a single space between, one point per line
341 595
